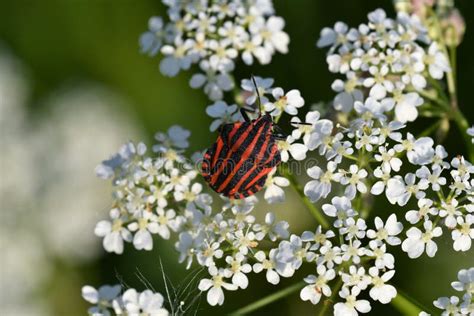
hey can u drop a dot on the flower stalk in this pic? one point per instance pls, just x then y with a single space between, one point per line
309 205
404 305
268 299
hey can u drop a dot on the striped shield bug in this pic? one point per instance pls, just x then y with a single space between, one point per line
238 163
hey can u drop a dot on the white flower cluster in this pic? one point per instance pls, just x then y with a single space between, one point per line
387 66
358 257
393 59
143 187
443 190
108 298
214 34
454 305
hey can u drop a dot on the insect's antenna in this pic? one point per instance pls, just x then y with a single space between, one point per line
258 96
301 123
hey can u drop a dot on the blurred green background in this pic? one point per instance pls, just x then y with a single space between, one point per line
78 87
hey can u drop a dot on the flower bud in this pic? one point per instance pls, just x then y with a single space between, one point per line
419 7
403 6
453 27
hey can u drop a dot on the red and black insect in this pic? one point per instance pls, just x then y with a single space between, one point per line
238 163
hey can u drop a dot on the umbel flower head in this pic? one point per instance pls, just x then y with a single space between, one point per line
213 34
387 64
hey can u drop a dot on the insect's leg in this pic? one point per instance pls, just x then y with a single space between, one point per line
258 96
244 111
278 133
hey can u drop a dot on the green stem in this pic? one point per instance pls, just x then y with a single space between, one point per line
451 77
269 299
309 205
463 125
406 305
455 113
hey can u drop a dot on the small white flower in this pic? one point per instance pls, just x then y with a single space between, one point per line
151 41
272 228
388 232
267 264
317 285
351 305
210 251
104 293
114 232
432 178
293 252
189 195
222 55
176 137
289 102
330 256
320 187
263 86
384 175
448 304
273 188
166 220
145 303
348 93
355 182
400 192
271 33
320 136
186 247
450 211
388 159
340 208
318 237
353 229
238 269
419 151
380 291
158 196
436 61
102 297
329 36
382 258
356 277
305 130
214 286
145 226
214 83
222 113
379 83
406 106
176 58
425 208
353 251
465 281
463 234
245 241
252 47
288 146
413 71
417 241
